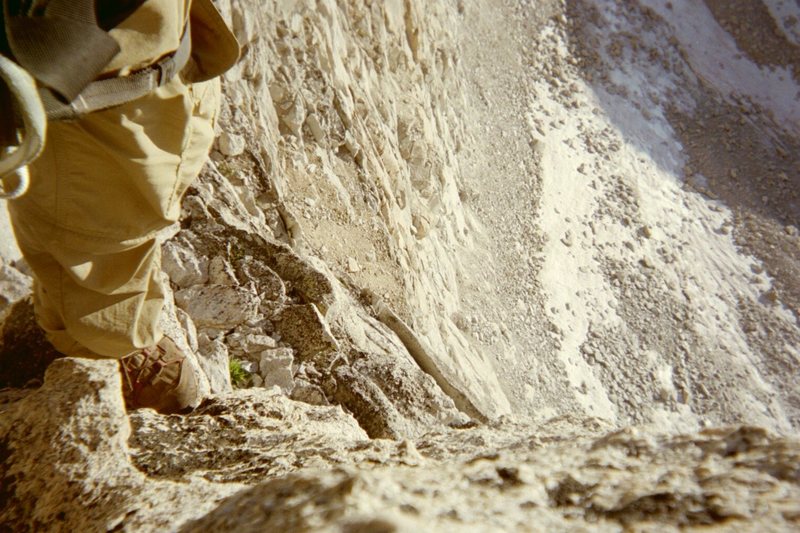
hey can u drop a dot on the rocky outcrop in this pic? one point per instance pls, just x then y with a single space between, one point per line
426 284
65 463
261 288
253 461
698 481
349 116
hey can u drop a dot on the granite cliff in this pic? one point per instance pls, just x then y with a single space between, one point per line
492 265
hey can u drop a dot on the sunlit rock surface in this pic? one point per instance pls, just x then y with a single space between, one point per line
479 266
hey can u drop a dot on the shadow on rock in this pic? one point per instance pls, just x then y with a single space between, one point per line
25 353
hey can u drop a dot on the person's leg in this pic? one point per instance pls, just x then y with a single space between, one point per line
102 189
91 304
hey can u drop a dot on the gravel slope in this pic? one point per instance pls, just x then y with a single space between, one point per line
636 176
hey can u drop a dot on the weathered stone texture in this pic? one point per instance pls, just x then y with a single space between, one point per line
321 249
253 460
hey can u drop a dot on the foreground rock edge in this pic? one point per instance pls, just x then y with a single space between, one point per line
558 474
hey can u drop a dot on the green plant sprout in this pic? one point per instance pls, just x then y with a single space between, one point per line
239 376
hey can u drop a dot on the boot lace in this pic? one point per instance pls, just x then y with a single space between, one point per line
137 376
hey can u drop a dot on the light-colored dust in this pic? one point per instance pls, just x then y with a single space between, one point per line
629 289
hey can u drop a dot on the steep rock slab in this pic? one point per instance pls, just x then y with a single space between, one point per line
299 303
350 116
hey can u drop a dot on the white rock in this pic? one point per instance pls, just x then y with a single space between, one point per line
294 115
250 343
183 266
244 25
352 265
251 367
187 324
231 144
276 369
255 342
214 361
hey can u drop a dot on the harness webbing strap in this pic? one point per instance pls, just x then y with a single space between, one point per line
111 92
63 48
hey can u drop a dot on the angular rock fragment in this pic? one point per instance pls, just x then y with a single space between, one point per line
220 272
231 144
249 344
307 392
183 266
276 369
270 286
218 306
305 329
215 363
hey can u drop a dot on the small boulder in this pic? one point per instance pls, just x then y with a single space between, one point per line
218 306
276 369
231 144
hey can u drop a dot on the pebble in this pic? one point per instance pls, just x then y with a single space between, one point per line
352 265
568 239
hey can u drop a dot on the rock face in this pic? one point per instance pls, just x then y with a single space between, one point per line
65 459
701 481
72 460
352 132
247 260
443 272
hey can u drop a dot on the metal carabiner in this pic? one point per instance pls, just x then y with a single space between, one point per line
34 126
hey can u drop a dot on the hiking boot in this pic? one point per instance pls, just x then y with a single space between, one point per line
159 377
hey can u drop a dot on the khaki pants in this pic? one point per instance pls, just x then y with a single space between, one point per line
102 189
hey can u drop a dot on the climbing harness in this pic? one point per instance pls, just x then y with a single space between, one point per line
58 54
106 93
